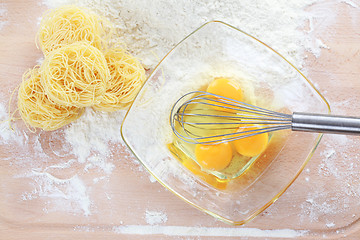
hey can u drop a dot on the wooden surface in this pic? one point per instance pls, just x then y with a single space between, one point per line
324 199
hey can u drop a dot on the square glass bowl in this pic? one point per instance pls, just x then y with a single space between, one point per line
217 49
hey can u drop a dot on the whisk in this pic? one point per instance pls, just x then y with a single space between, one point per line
202 117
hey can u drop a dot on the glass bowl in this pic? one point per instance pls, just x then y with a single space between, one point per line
217 49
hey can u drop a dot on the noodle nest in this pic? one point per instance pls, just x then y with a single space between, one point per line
75 75
79 70
69 24
37 110
127 77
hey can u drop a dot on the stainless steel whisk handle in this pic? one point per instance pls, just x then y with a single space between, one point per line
325 123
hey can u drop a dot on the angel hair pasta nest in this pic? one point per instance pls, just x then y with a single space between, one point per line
69 24
127 77
75 75
37 110
80 70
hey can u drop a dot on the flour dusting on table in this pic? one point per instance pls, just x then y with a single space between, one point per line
69 195
3 13
91 135
150 30
155 217
207 231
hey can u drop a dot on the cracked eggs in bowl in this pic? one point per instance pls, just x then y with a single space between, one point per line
239 184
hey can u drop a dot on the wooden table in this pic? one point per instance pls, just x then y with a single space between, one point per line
323 201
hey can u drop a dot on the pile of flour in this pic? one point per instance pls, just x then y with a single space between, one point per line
151 29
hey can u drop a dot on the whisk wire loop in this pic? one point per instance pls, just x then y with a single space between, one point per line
202 117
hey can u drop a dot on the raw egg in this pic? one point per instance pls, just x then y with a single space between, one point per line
209 178
227 88
251 146
214 157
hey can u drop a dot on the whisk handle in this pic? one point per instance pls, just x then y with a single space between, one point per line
325 123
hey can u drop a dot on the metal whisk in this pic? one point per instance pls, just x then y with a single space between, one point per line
202 117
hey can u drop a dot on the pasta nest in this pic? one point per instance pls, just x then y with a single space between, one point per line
127 77
69 24
37 110
75 75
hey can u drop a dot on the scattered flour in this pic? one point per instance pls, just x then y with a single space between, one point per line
154 217
8 135
91 146
99 163
3 14
40 61
87 136
152 179
330 225
316 51
70 195
319 205
325 202
207 231
339 161
350 3
150 30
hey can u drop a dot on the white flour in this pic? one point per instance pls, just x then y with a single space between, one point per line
350 3
8 135
87 136
70 195
150 30
3 14
90 144
206 231
155 217
336 163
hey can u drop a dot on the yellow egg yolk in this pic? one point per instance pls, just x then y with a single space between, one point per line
209 178
214 157
226 88
251 146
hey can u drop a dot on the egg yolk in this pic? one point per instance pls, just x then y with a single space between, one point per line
214 157
226 88
251 146
209 178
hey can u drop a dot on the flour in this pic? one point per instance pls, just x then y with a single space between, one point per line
155 217
69 195
350 3
330 225
152 179
88 136
40 61
336 163
99 163
207 231
320 45
90 145
274 22
318 205
3 14
7 134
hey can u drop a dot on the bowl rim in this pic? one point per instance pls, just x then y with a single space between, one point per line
276 197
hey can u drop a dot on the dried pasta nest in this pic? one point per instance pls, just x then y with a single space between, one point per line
37 110
127 77
75 75
79 70
69 24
